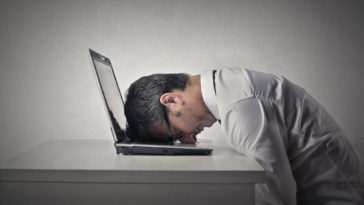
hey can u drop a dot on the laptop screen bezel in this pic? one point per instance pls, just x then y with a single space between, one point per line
95 56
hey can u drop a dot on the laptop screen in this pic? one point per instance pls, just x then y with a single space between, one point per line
111 93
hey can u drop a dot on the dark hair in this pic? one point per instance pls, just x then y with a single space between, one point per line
142 105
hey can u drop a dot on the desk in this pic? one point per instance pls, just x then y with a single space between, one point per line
90 172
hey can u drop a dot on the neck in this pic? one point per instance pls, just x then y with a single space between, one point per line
195 82
194 86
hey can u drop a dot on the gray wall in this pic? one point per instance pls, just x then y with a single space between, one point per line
48 91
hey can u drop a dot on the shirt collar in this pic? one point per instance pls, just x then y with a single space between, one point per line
208 93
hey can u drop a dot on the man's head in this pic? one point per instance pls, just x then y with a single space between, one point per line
164 106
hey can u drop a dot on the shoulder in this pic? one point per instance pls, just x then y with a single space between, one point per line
233 84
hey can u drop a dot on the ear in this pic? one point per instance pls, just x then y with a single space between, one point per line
168 99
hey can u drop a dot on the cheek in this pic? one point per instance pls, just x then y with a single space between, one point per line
192 117
186 125
193 121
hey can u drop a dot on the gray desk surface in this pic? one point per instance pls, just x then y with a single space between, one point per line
96 161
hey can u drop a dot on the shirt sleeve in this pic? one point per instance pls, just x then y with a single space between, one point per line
254 128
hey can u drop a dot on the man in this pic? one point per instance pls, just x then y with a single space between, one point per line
306 157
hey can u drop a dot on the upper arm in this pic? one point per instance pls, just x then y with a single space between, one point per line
253 128
242 122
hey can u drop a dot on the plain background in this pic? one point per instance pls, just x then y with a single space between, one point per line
48 91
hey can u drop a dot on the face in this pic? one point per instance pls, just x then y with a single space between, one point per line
189 124
186 120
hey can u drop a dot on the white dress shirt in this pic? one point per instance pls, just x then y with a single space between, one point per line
306 157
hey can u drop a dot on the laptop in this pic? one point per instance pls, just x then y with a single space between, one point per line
114 106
